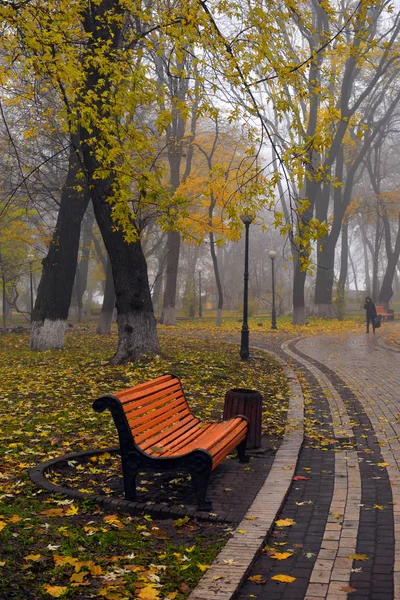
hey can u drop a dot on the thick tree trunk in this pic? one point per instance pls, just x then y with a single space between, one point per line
137 333
365 244
375 258
325 278
386 291
190 285
4 300
82 270
158 285
107 309
55 288
173 250
299 310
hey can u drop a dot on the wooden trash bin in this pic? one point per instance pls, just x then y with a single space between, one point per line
249 404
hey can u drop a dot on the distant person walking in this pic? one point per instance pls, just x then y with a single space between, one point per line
371 314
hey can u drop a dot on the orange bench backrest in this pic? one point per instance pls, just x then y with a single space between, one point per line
154 406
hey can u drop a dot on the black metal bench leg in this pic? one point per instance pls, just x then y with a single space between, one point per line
129 482
200 482
241 450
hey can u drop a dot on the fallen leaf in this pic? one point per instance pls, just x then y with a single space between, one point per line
285 522
148 593
284 578
56 590
348 589
203 567
383 464
257 579
33 557
53 512
281 555
300 478
358 556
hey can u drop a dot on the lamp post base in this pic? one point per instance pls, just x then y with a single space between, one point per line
244 345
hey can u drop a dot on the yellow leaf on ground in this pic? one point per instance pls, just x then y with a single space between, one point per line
61 561
285 522
113 520
33 557
378 507
203 567
73 510
78 577
284 578
281 555
56 590
358 556
94 569
2 525
383 464
148 593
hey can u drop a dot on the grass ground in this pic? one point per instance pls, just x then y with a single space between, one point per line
51 546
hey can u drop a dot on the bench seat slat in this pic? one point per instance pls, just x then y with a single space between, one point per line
209 438
146 442
183 430
210 442
226 448
193 439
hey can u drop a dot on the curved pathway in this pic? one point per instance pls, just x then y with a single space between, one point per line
345 503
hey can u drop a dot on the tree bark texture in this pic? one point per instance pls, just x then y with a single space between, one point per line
386 291
107 309
82 269
56 284
171 271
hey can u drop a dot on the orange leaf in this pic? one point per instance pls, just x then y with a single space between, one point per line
56 590
257 579
53 512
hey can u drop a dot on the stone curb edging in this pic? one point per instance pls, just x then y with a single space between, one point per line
228 571
156 511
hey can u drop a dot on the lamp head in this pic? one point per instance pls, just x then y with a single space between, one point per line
272 254
246 219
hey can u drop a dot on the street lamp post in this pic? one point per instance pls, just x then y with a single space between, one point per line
200 307
244 343
272 255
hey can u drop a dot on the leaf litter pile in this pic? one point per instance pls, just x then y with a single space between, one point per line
52 546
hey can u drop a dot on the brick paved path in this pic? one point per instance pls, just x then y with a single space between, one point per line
346 539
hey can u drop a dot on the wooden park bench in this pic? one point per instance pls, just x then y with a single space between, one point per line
158 432
380 311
